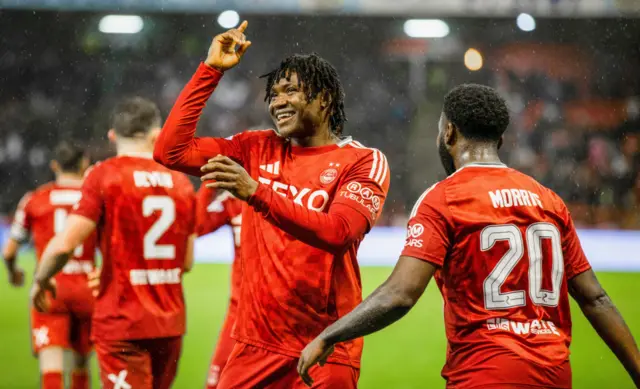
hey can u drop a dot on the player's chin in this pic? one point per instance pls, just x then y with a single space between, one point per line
288 130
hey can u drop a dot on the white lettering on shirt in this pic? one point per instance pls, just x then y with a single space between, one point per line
506 198
316 200
155 276
144 179
535 327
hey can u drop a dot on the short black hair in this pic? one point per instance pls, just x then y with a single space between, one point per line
135 116
478 111
317 76
69 156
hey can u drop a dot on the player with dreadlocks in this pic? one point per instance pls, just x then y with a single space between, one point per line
311 196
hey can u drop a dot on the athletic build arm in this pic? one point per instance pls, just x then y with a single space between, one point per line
598 308
387 304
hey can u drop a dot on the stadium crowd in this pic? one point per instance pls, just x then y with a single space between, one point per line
69 89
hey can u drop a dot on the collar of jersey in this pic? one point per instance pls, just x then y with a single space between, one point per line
484 164
301 150
137 155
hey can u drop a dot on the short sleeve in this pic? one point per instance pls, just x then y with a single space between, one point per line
365 186
429 229
91 203
22 220
575 261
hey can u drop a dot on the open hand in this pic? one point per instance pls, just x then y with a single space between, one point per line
315 352
227 48
39 294
228 174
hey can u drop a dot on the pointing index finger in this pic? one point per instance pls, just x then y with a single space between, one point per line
243 26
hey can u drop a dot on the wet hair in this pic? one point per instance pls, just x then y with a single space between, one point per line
477 111
317 76
68 156
135 116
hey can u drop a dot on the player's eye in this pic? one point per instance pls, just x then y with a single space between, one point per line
291 90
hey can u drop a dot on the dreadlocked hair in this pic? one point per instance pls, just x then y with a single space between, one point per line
318 77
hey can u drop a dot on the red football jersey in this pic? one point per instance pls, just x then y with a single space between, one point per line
42 214
144 214
213 211
290 290
505 247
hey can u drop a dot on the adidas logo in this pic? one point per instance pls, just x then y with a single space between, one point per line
273 168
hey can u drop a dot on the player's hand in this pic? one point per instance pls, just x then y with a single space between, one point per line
316 352
227 48
93 281
38 294
16 277
228 174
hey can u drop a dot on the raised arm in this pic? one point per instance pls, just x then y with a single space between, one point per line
177 147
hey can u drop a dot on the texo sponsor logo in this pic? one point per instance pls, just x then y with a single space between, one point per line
315 201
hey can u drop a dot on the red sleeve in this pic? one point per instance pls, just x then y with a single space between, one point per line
430 228
211 210
333 231
177 147
575 261
365 187
91 203
21 220
349 218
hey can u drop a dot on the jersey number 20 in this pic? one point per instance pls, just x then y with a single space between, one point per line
494 298
167 208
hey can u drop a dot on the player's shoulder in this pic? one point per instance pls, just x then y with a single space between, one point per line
360 150
369 158
434 196
42 190
268 134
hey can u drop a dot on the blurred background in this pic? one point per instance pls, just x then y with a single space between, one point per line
569 70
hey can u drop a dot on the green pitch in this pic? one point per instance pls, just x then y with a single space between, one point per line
407 355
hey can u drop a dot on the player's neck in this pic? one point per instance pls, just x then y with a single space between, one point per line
477 154
69 179
128 147
323 137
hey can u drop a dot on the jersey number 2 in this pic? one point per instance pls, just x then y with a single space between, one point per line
167 208
494 298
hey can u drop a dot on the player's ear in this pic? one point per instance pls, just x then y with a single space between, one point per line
84 164
112 136
153 135
55 166
500 141
450 134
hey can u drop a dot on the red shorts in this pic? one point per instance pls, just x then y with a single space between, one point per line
223 349
254 367
67 323
139 364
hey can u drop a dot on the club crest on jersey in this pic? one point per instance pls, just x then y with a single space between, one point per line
328 176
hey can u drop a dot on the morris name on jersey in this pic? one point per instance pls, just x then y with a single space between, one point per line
506 198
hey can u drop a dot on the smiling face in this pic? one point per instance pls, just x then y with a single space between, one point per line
290 111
